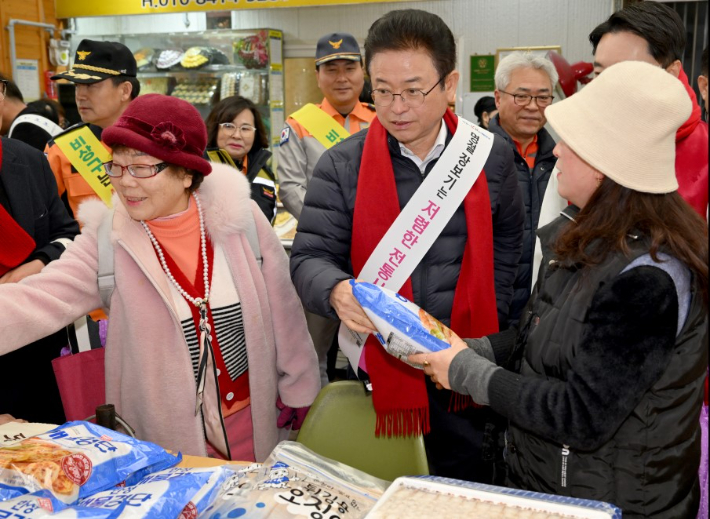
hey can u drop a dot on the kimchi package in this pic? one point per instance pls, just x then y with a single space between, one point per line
76 460
179 492
402 327
168 493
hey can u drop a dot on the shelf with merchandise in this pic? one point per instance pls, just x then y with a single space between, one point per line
207 66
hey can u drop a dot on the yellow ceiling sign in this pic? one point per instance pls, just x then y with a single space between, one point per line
78 8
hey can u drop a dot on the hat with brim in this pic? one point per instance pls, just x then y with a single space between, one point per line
624 124
165 127
96 61
338 45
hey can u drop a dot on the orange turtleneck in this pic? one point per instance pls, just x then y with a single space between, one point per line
179 236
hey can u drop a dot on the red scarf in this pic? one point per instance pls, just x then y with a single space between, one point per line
16 243
688 126
400 395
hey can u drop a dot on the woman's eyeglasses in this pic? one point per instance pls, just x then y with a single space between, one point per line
136 170
231 128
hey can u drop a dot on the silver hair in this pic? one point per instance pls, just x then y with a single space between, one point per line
519 59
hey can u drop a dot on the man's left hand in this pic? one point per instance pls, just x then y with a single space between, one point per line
436 365
19 273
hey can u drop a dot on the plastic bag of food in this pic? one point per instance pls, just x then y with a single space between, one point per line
219 477
76 460
168 493
41 504
294 482
44 504
403 328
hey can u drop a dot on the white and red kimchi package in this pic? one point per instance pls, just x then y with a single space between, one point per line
76 460
402 327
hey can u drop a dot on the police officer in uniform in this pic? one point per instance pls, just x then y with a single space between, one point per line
104 73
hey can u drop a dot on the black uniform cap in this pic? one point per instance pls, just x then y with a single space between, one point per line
98 60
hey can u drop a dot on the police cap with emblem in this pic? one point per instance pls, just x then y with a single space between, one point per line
98 60
337 45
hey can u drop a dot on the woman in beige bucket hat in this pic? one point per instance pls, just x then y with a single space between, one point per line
602 383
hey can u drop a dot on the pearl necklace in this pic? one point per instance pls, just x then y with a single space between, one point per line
198 302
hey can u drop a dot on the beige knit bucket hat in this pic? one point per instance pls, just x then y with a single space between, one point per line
624 124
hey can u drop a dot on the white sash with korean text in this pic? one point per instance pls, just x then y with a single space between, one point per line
421 221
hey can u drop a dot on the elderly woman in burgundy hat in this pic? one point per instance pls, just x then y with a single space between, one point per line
207 346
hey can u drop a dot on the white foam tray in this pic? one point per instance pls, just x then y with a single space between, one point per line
572 507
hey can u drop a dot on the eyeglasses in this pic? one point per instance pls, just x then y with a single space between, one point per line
524 99
3 88
136 170
231 129
410 96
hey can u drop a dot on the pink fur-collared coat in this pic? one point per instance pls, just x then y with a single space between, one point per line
149 375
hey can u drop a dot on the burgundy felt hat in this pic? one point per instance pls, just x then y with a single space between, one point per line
165 127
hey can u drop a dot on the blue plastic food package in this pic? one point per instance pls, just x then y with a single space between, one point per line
30 506
168 493
219 477
403 328
74 461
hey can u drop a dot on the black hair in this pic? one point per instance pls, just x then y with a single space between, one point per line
486 104
657 23
366 94
412 29
12 91
47 108
226 110
197 178
135 84
704 63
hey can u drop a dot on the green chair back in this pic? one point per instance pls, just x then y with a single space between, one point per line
341 425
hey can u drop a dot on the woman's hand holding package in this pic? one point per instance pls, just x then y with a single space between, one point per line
436 365
349 310
464 368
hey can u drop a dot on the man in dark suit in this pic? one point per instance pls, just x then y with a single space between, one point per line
35 229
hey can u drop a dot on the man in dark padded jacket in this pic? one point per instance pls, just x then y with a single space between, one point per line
411 56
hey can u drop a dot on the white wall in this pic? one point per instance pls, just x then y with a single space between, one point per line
484 25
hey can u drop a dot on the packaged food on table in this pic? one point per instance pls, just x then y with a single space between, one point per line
44 504
431 496
177 492
294 482
403 328
76 460
41 504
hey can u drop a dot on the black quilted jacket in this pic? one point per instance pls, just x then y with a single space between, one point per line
320 257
